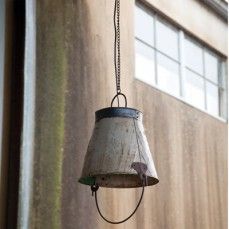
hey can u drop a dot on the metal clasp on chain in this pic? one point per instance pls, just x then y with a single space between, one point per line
117 97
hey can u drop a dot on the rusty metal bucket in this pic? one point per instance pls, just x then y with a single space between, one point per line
118 153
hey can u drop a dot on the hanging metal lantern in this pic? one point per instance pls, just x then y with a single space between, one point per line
118 154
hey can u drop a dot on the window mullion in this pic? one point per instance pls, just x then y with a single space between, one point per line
205 83
220 88
182 63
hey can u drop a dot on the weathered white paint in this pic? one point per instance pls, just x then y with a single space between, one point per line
115 144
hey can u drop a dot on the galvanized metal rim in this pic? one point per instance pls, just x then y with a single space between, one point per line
124 112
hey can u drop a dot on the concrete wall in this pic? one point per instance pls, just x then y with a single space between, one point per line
74 78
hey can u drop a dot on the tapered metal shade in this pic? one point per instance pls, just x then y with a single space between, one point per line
117 146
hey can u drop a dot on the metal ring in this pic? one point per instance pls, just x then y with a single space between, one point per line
124 220
116 96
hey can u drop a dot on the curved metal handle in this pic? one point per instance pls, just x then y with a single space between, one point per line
122 221
116 96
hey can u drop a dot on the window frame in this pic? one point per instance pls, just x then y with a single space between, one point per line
182 36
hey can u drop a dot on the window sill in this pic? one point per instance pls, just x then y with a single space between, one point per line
184 101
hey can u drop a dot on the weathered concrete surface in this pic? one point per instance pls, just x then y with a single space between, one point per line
51 72
75 77
190 154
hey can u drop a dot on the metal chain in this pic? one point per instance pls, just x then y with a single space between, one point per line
117 55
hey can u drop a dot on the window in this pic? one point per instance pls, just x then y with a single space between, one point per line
169 59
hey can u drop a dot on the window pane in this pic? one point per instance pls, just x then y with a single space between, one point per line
193 56
144 63
194 89
168 74
212 98
144 26
167 39
211 67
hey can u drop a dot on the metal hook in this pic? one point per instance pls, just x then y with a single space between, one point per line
116 96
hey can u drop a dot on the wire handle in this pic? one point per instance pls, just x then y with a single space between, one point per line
124 220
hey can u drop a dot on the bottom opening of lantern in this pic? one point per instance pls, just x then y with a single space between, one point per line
118 180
